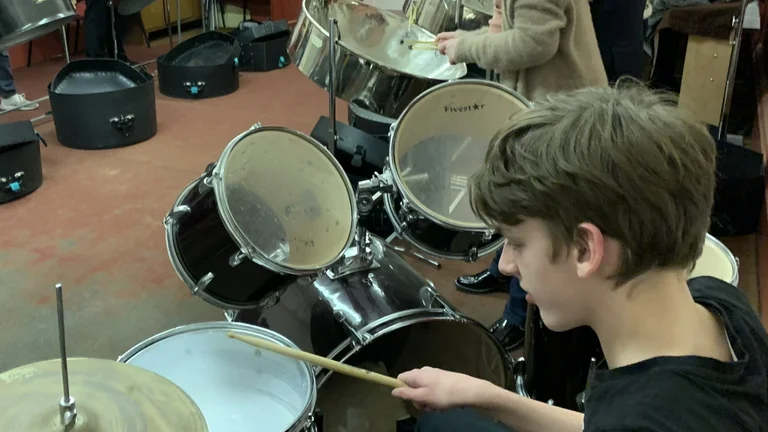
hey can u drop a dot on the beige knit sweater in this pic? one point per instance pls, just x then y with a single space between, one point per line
545 46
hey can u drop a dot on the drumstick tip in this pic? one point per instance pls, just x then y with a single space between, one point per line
231 335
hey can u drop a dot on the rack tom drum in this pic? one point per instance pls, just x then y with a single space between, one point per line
275 206
437 144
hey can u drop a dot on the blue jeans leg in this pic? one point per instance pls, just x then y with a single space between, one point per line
7 86
516 309
457 420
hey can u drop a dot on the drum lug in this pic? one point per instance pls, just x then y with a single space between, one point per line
202 283
488 235
236 259
472 254
176 214
358 338
429 298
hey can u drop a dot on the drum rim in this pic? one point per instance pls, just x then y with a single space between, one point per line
728 254
392 163
389 208
401 319
249 329
253 253
365 57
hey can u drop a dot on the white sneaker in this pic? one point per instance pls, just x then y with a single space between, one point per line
17 101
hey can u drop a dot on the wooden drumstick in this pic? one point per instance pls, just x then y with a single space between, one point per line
323 362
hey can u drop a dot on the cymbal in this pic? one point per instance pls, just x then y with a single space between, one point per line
109 397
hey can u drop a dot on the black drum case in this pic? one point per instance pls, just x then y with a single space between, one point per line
264 45
21 169
205 66
102 104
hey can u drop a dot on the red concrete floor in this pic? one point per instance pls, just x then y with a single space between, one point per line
96 224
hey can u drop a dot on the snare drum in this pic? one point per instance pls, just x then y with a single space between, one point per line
238 388
437 144
717 261
275 206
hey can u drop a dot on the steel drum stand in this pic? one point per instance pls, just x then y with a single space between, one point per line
333 37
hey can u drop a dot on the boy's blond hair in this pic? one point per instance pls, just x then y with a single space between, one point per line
624 158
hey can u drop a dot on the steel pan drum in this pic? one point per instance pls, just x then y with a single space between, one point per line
375 69
438 16
24 20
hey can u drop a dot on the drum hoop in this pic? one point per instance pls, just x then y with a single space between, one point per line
272 336
398 320
728 255
389 207
237 235
393 163
365 57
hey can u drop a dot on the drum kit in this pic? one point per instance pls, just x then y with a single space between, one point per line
274 234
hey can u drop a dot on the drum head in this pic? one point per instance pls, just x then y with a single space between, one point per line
285 200
716 261
235 385
440 141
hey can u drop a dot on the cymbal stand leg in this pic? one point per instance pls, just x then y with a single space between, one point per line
736 35
178 18
114 32
333 38
67 410
65 43
459 13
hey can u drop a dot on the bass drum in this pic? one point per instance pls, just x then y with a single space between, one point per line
276 206
437 144
557 365
389 320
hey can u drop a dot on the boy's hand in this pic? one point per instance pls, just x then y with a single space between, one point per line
444 36
436 389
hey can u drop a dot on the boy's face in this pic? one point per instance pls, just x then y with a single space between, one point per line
564 289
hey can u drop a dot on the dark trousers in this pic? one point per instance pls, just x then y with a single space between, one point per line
98 31
619 29
7 86
517 308
458 420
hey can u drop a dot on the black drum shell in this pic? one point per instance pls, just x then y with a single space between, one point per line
102 120
210 81
202 244
557 364
19 152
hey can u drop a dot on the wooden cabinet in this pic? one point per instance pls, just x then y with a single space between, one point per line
155 17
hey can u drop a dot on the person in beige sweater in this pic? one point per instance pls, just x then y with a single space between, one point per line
544 46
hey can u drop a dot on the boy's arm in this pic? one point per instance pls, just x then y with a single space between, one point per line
533 39
526 415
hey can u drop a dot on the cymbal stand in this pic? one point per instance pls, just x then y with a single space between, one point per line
67 410
111 5
64 42
333 37
736 34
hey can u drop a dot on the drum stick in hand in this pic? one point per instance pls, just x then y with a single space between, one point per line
323 362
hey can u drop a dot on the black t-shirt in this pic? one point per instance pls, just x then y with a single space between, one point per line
695 394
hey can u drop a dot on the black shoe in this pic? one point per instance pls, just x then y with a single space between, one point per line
510 335
481 283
